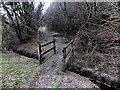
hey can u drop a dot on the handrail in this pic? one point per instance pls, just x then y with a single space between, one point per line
47 43
41 53
47 51
68 52
65 53
68 44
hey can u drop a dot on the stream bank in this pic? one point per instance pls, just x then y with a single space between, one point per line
52 69
101 79
30 49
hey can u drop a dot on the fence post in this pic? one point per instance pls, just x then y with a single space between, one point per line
64 53
54 46
40 52
72 48
64 56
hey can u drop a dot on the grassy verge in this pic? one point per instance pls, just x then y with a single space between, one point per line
18 71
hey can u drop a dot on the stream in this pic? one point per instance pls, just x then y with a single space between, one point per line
101 85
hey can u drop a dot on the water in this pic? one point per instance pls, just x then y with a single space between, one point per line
100 84
103 86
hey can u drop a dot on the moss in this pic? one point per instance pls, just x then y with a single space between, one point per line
18 71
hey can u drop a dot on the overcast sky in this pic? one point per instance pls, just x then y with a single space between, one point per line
47 4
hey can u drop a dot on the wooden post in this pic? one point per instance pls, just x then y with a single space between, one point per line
40 53
54 46
64 53
72 48
64 56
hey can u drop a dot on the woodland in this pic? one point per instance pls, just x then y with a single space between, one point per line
91 28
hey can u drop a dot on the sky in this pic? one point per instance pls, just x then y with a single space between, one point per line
47 4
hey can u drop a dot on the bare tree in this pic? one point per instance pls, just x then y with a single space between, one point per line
24 18
66 17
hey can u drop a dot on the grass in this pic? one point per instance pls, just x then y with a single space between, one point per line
18 71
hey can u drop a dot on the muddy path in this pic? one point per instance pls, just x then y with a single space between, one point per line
51 75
